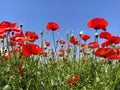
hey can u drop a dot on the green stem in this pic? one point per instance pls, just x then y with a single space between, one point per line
55 47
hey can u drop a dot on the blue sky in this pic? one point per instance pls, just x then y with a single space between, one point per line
69 14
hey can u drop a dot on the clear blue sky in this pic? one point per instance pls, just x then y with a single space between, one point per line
69 14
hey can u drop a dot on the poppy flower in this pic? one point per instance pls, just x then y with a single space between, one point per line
74 40
44 54
31 35
15 51
52 26
61 54
85 37
17 35
8 26
114 39
73 79
6 57
105 35
68 50
3 35
47 43
21 70
93 45
98 23
62 42
2 30
64 58
29 49
61 50
11 43
106 52
106 43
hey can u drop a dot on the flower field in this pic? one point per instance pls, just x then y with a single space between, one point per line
68 65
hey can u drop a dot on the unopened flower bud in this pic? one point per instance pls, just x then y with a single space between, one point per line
96 35
81 33
21 25
72 35
41 32
45 47
57 40
2 40
12 33
61 45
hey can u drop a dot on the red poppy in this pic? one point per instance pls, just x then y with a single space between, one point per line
98 23
74 40
106 43
3 35
61 50
8 26
29 49
93 45
47 43
73 79
68 50
52 26
114 39
2 30
83 46
85 37
61 54
105 52
11 43
15 51
44 54
32 36
6 57
64 58
17 35
21 70
62 42
105 35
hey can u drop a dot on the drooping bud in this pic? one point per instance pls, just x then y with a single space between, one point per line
41 32
81 33
21 25
96 35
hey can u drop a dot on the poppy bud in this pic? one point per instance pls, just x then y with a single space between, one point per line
2 40
96 35
21 25
61 45
45 47
72 35
41 32
12 33
81 33
57 40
